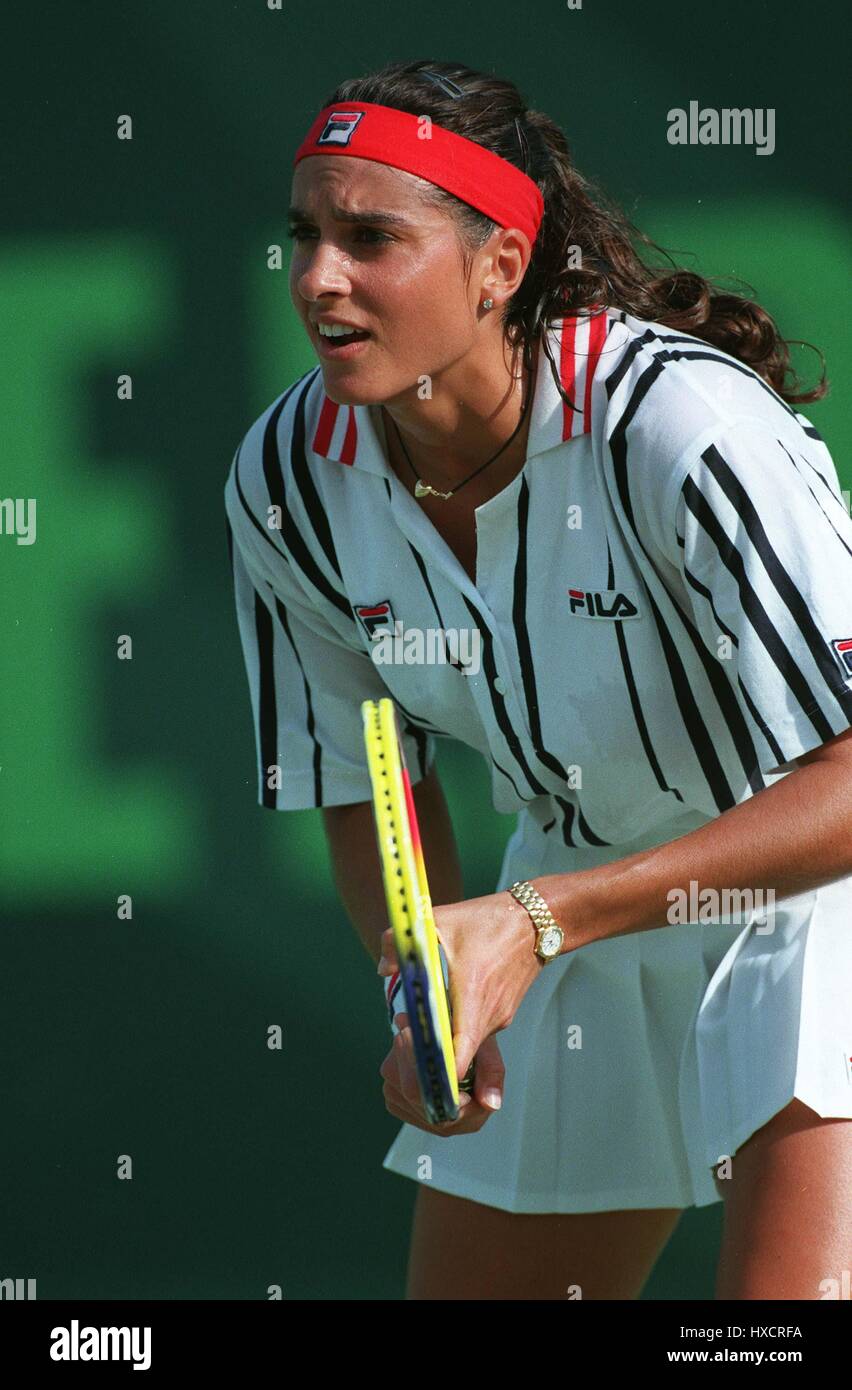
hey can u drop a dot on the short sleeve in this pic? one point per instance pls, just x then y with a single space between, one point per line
763 542
306 683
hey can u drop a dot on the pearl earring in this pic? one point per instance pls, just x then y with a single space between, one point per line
488 303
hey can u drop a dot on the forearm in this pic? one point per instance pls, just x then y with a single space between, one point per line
356 866
788 838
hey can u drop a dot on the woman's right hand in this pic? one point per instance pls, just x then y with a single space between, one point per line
402 1093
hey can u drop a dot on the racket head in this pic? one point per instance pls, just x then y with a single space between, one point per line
410 911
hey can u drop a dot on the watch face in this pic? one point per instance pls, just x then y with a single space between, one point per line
551 940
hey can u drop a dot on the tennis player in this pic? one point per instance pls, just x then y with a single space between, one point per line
520 432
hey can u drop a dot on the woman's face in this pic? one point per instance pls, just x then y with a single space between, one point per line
400 278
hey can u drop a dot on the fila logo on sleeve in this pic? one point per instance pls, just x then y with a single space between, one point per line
843 648
601 603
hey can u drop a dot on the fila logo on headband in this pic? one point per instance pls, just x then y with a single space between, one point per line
601 603
340 127
843 647
375 618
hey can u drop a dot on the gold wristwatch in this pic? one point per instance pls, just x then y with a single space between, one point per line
548 933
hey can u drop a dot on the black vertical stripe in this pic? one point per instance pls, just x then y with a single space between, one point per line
826 484
702 352
261 530
788 591
639 716
305 484
418 719
457 665
613 381
310 722
420 739
762 724
525 658
617 375
509 778
672 355
267 713
632 692
753 710
568 812
498 703
299 553
722 689
707 594
692 722
816 499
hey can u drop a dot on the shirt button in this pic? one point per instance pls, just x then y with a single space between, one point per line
500 685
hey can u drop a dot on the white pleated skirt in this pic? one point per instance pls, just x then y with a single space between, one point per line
635 1065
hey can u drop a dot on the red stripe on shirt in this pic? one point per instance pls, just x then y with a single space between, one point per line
325 428
567 371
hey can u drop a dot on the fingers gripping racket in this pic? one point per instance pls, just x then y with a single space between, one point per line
418 950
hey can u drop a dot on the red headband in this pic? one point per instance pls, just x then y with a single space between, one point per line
485 180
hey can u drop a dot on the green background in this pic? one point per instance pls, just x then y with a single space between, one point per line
147 1037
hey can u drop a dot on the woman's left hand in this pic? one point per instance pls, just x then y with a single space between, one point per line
489 944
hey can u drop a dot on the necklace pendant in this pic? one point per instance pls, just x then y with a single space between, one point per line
422 489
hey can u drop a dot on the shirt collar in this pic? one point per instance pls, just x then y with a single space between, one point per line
354 434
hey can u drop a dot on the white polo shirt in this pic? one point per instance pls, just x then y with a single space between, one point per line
662 613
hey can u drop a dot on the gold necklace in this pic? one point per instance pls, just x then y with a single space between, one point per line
422 489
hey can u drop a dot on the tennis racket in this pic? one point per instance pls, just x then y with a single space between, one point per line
419 954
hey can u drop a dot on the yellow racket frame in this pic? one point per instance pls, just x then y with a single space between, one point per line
404 875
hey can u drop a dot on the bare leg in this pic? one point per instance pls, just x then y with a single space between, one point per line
462 1249
788 1208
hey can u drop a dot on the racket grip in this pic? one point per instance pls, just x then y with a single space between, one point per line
465 1082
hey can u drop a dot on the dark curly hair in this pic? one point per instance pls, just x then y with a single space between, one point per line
491 111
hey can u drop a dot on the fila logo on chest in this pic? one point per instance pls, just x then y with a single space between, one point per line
602 603
375 618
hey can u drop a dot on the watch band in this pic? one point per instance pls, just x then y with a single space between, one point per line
549 935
